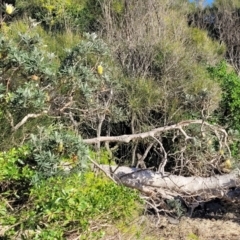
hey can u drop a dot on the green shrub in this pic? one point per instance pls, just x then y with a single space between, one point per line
91 196
15 178
14 164
57 151
229 111
55 43
75 204
59 15
104 156
53 151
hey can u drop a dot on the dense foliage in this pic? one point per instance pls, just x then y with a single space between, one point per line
77 69
56 207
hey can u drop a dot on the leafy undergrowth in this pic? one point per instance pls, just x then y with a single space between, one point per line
82 204
85 205
57 207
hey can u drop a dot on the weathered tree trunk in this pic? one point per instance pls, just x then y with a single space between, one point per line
170 186
166 185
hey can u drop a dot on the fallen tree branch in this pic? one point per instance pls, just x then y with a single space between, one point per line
172 185
152 133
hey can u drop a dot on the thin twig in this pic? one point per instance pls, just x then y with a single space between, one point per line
98 166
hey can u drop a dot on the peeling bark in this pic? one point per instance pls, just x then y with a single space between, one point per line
170 186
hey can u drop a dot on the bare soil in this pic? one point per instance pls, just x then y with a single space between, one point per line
204 225
201 229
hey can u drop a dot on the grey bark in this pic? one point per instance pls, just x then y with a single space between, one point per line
170 186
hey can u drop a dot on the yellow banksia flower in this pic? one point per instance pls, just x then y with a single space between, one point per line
34 77
100 69
9 9
47 97
209 142
228 164
60 147
221 152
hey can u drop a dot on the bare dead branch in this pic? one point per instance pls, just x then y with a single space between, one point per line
75 123
142 158
9 115
185 134
152 133
134 155
164 162
24 120
141 163
67 105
